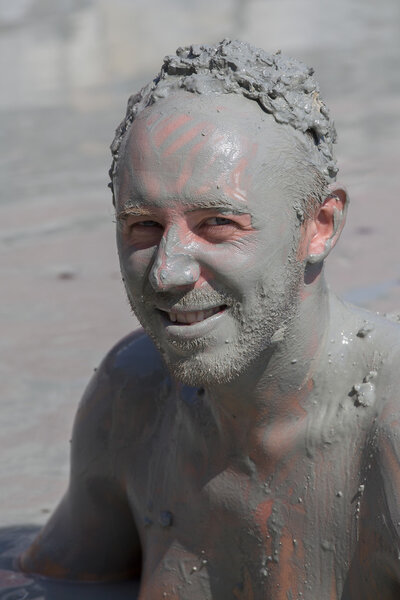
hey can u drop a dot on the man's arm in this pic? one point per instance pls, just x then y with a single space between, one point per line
91 536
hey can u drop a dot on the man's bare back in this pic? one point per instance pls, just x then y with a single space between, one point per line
246 446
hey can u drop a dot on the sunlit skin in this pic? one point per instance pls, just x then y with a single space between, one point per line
244 445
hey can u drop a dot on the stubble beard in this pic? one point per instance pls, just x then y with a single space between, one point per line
206 361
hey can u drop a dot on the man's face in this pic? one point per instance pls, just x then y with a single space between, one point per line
207 234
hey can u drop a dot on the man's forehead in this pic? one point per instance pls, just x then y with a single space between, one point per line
178 148
182 118
190 125
226 110
203 152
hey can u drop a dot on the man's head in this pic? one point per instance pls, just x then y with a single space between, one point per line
210 195
282 87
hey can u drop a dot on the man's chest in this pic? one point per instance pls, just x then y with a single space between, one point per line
283 517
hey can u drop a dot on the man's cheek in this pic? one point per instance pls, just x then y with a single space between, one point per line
135 266
229 255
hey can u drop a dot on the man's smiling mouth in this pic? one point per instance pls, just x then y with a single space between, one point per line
194 316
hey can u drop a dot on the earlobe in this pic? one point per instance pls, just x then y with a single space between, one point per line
328 223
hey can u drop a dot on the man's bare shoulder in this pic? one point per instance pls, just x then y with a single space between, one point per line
134 356
379 337
128 378
368 332
133 363
366 348
378 346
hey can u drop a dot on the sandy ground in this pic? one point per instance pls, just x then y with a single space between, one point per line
67 68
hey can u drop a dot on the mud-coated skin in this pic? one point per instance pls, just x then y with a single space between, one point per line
306 508
275 478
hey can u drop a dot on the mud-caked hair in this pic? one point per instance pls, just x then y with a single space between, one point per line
282 86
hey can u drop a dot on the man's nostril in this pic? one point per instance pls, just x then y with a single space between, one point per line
176 271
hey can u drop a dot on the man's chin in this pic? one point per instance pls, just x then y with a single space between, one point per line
205 368
201 373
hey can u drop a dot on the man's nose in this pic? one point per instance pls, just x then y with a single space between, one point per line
173 266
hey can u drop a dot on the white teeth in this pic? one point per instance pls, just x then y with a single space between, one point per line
192 317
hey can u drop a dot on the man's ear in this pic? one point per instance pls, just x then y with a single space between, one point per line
327 224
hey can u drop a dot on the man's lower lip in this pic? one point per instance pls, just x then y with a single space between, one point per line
191 330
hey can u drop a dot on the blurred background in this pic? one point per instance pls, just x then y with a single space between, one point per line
66 70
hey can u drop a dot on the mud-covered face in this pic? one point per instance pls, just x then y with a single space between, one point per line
207 234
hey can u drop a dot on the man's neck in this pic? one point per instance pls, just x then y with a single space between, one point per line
275 384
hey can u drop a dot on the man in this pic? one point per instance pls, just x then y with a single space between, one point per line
245 443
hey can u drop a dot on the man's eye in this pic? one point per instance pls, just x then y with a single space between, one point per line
147 224
142 234
138 226
218 221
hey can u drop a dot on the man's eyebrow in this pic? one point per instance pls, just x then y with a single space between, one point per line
131 211
223 204
223 207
